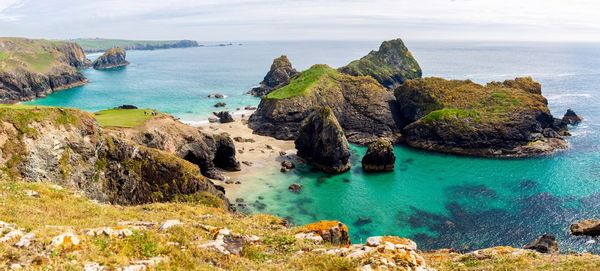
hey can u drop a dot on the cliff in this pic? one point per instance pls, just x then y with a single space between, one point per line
361 105
499 119
35 68
278 76
112 58
69 148
101 45
391 65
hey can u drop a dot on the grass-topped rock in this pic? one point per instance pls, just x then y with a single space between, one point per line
361 105
35 68
112 58
391 65
509 118
279 75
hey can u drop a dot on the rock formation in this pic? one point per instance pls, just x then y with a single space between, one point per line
322 143
379 157
571 118
544 244
509 119
391 65
332 232
67 147
590 227
224 116
113 58
361 105
279 75
35 68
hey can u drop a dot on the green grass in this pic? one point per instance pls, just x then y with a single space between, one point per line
123 118
105 44
4 56
448 113
39 61
302 84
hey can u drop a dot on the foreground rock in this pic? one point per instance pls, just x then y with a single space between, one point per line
391 65
508 119
224 116
379 157
207 151
361 105
279 75
322 142
590 227
36 68
67 147
333 232
544 244
113 58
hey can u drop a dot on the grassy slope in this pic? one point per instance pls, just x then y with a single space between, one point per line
105 44
123 118
304 82
28 54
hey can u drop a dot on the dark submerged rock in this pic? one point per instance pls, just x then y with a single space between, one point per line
295 187
224 116
220 104
287 164
322 143
544 244
113 58
391 65
279 75
379 157
589 227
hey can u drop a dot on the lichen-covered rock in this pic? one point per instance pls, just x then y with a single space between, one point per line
379 157
112 58
391 65
362 106
544 244
36 68
590 227
333 232
462 117
279 75
322 142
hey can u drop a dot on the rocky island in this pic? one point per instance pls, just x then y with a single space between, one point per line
112 58
36 68
279 75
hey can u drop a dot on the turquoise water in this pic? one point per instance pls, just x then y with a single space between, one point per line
438 200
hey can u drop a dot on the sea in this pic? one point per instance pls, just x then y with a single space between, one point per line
438 200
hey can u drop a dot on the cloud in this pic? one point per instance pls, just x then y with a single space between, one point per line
312 19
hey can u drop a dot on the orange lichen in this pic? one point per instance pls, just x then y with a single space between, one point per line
396 240
323 225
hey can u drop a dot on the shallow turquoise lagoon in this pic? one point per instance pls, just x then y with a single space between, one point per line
438 200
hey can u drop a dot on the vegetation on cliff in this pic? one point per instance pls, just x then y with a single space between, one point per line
318 76
124 118
391 65
101 45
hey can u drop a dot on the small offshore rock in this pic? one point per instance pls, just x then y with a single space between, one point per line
379 157
220 104
279 75
169 224
544 244
295 187
216 96
589 227
287 164
571 118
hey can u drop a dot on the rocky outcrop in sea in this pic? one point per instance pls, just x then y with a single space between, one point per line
36 68
112 58
322 143
279 75
379 157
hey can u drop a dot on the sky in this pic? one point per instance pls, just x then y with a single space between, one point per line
240 20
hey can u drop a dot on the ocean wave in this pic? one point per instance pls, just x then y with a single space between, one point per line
567 95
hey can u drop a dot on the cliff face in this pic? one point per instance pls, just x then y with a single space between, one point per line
112 58
68 147
391 65
360 104
35 68
278 76
499 119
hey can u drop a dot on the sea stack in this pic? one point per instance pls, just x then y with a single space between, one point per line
113 58
322 143
380 156
279 75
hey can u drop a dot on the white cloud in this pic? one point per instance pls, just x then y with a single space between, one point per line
308 19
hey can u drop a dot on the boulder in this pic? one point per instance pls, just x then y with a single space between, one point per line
279 75
295 187
224 116
126 106
590 227
571 118
391 65
322 143
113 58
216 96
287 164
544 244
333 232
379 157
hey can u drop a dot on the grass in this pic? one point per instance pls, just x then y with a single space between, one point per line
304 82
34 55
448 113
123 118
97 45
